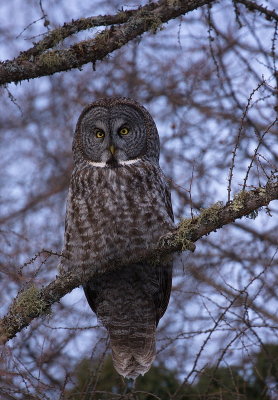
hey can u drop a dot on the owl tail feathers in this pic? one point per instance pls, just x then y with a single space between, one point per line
134 356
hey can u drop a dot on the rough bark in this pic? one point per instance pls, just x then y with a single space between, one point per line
33 302
127 25
33 64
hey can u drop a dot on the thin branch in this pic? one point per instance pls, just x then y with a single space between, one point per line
28 26
256 7
60 184
240 298
256 152
234 152
33 302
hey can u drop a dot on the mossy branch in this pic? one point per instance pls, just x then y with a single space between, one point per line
32 302
40 61
59 34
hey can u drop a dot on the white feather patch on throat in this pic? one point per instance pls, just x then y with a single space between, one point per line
129 162
101 164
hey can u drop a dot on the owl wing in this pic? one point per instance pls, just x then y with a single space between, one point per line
168 203
164 270
162 295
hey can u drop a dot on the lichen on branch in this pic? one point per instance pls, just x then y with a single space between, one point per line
34 302
41 61
28 305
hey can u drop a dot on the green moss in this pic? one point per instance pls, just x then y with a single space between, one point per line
210 215
49 59
173 3
239 201
262 191
153 22
57 36
156 25
187 227
122 15
103 37
29 303
182 236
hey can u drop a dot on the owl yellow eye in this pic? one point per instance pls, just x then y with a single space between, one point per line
124 131
100 134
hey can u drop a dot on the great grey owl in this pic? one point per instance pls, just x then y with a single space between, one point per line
118 207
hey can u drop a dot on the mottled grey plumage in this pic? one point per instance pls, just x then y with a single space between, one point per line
118 206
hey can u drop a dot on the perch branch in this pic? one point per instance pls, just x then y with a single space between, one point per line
33 302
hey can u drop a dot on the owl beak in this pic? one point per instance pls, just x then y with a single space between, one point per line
112 149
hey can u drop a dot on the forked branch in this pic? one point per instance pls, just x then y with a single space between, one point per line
36 62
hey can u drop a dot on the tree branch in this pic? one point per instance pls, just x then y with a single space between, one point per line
33 302
36 62
61 33
40 61
252 6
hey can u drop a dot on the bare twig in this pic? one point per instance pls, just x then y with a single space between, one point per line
238 139
190 191
252 6
256 152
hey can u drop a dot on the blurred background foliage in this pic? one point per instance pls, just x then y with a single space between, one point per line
217 383
209 79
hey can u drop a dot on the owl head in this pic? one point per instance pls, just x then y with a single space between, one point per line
115 131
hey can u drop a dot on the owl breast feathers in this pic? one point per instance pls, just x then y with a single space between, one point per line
118 207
